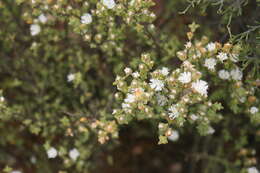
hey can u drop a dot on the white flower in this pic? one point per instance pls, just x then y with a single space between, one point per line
252 170
52 153
210 131
188 45
156 84
194 117
2 99
135 74
42 18
128 70
173 112
222 56
223 74
109 3
236 74
16 171
253 110
125 105
114 111
35 29
174 136
234 57
210 63
201 87
242 99
74 154
185 77
33 159
71 77
211 47
165 71
86 18
161 99
132 2
130 98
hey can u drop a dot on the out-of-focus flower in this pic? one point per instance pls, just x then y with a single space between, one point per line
224 74
71 77
42 18
74 154
253 110
252 170
35 29
165 71
86 18
236 74
211 47
174 136
52 153
109 3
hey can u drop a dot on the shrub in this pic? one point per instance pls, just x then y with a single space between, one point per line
80 77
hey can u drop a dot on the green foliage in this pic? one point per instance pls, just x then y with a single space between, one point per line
74 74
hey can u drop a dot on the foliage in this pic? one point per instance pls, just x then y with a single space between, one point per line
72 82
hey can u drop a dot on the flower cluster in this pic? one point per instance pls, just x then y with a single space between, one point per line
105 130
189 93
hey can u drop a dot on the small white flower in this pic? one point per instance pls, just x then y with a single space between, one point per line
210 131
132 2
198 54
16 171
188 45
86 18
185 77
174 136
42 18
242 99
136 74
194 117
52 153
125 105
161 99
236 74
173 112
71 77
128 70
35 29
222 56
223 74
33 159
210 63
114 111
253 110
130 98
156 84
2 99
109 3
252 170
165 71
201 87
211 47
74 154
